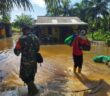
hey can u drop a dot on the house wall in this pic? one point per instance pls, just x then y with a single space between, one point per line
57 33
45 33
44 30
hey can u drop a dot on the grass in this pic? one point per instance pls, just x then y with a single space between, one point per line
16 30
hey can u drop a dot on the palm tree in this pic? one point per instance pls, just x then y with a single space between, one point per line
7 5
79 10
58 7
23 20
97 9
65 7
6 17
53 7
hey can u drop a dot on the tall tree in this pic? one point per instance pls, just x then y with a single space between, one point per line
23 20
79 10
58 7
65 7
7 5
97 9
53 7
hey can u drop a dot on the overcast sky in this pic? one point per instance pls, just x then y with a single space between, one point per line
39 9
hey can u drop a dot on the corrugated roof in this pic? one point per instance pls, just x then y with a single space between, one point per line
45 20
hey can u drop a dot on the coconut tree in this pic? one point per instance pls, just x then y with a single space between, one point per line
65 8
58 7
97 9
23 20
79 10
53 7
7 5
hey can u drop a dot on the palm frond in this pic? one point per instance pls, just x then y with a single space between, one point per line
7 5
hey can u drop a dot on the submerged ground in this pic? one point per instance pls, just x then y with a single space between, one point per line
56 73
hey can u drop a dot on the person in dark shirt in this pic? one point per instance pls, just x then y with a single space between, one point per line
28 45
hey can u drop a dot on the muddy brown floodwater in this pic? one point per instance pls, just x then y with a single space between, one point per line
56 71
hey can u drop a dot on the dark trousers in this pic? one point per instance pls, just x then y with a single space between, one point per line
78 61
27 72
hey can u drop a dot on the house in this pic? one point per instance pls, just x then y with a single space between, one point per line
56 29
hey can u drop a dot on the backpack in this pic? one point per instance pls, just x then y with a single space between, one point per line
85 47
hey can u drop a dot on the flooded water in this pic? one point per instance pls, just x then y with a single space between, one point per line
56 72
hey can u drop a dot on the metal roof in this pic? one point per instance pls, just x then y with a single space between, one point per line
45 20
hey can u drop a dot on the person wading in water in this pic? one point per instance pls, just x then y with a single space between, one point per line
28 45
79 44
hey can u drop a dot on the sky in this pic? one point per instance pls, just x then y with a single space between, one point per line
39 9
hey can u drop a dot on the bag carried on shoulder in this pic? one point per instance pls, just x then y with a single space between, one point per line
70 39
39 58
85 47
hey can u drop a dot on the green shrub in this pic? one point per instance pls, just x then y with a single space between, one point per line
16 30
98 35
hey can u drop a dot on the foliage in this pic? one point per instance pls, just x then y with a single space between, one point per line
6 18
8 5
53 7
58 7
5 8
23 20
65 8
14 29
95 12
98 35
